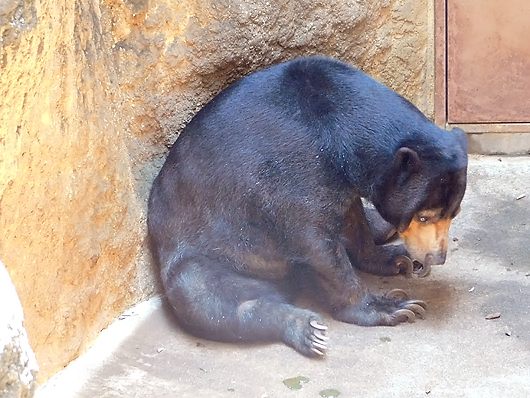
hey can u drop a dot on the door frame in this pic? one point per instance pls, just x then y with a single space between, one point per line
440 84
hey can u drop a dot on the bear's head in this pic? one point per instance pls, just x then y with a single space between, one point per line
422 192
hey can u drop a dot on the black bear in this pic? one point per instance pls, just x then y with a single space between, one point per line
263 190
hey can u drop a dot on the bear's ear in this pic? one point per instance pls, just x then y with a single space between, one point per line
406 161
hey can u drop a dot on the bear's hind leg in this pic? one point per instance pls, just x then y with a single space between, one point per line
215 302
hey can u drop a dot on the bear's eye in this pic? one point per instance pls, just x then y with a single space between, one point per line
428 216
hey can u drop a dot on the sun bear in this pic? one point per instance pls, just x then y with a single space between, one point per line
263 189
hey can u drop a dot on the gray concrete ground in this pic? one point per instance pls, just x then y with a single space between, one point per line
454 352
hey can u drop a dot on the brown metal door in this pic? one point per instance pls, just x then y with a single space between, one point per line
488 61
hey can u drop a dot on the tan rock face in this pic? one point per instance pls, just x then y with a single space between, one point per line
93 94
72 230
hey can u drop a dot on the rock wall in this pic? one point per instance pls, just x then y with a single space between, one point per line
94 93
71 221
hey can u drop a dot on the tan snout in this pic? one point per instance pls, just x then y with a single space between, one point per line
427 243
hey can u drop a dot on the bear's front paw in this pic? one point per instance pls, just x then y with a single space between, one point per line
387 310
410 308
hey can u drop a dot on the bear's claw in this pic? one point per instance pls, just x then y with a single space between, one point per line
409 267
420 270
397 293
416 308
404 312
317 325
318 352
409 308
404 265
318 339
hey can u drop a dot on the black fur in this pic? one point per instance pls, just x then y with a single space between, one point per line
265 184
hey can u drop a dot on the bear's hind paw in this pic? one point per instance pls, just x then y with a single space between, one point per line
308 338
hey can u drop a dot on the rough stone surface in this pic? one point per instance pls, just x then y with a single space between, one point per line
93 94
172 57
18 366
72 224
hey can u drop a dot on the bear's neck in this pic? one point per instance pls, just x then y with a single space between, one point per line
368 168
362 162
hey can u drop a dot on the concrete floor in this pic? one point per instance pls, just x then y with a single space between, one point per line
454 352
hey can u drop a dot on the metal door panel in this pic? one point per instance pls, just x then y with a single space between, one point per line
488 61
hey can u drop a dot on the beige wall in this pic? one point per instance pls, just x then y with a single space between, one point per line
93 94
